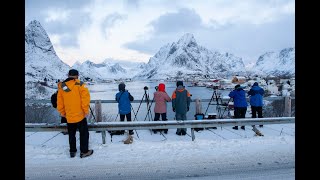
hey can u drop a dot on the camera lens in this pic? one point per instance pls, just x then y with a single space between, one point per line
145 88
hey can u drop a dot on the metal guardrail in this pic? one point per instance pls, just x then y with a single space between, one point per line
139 101
172 124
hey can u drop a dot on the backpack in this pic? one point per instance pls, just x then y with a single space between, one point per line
54 99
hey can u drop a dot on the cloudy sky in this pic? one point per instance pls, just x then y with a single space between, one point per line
136 29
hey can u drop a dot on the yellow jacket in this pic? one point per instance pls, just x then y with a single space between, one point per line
73 100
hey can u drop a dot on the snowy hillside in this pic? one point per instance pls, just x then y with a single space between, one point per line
186 57
276 63
109 69
41 60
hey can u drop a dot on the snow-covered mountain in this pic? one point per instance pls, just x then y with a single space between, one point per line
186 57
276 63
41 60
108 69
177 59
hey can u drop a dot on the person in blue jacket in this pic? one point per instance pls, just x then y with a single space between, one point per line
123 97
256 100
240 103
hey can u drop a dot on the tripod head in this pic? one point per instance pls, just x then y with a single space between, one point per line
145 88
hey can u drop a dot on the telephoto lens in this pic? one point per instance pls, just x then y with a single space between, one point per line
145 88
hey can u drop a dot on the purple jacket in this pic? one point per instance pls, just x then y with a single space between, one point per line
161 99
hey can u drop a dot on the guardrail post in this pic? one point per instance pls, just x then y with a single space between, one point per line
198 111
192 134
98 111
287 106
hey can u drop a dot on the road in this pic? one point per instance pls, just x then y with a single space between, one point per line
223 153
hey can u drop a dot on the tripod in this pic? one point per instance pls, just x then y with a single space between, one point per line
217 98
146 97
226 107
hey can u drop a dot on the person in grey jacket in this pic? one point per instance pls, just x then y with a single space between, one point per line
181 99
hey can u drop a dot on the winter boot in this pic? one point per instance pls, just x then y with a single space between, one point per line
129 140
242 127
72 154
83 155
235 127
165 131
261 126
131 132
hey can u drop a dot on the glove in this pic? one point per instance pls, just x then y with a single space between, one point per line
174 109
187 108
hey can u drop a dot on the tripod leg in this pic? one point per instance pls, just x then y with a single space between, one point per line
135 116
209 103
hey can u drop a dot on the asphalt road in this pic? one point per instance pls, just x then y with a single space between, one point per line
203 169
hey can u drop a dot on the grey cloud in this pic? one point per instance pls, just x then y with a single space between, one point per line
78 21
34 8
251 40
246 41
184 19
110 21
132 4
168 28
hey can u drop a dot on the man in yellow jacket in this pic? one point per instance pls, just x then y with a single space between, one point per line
73 103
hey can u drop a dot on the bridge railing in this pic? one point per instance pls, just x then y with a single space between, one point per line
171 124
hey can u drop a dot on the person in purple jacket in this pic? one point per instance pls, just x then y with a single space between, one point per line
160 98
240 103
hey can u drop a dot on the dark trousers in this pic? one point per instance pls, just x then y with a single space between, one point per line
255 110
181 117
84 135
128 116
240 112
163 118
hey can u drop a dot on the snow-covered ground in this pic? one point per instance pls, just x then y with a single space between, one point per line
221 153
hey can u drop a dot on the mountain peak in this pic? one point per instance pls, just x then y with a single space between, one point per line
187 39
36 37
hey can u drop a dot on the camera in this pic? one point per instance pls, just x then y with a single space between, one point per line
156 88
215 87
145 88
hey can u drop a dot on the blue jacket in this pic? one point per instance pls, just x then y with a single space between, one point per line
123 98
239 97
256 96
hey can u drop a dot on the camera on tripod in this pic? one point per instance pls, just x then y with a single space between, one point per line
145 88
215 87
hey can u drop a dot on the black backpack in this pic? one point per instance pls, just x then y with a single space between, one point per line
54 99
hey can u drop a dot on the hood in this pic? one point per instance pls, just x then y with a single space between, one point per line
161 87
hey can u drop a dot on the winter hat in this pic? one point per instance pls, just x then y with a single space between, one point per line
237 86
122 86
255 84
162 87
73 72
179 83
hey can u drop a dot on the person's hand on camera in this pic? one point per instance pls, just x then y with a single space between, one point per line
174 109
